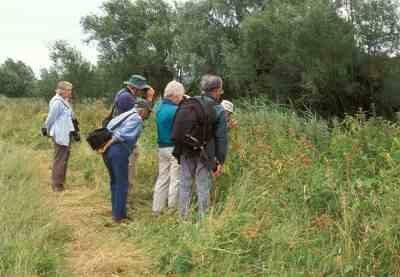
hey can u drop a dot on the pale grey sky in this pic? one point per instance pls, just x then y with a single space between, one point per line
28 27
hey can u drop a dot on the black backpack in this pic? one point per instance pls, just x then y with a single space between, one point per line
194 122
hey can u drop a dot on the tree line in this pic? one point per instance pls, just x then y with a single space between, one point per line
329 56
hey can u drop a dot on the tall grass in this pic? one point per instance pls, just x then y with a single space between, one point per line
298 197
31 241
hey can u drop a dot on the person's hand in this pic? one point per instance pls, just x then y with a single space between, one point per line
218 171
150 93
103 149
232 123
76 136
44 131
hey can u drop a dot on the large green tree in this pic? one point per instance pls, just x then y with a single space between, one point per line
16 79
133 37
376 24
69 64
207 31
311 53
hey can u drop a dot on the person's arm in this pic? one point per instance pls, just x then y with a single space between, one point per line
129 130
104 148
221 138
150 94
232 123
55 110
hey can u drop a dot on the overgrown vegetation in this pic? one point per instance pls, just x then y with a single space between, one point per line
31 240
298 197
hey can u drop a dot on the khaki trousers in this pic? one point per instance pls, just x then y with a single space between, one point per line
166 187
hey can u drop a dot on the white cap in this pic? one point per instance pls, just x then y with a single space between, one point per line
227 105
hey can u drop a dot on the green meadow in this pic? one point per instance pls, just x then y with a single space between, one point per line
298 197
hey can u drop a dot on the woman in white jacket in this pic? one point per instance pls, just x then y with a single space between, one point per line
59 126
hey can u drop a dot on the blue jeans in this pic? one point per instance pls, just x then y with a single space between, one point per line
116 159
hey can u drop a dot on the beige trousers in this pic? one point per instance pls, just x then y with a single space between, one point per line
166 188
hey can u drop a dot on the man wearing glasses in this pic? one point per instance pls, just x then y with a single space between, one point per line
200 165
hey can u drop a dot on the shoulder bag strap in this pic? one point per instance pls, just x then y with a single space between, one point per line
62 102
58 100
120 122
111 115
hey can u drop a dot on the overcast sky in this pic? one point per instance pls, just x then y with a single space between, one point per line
28 27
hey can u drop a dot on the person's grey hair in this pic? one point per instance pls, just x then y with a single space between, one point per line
174 88
210 82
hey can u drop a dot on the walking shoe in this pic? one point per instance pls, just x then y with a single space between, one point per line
57 187
124 220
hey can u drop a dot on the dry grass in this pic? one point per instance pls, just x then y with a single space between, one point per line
96 247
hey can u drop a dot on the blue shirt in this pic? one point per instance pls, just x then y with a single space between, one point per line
59 120
165 119
129 130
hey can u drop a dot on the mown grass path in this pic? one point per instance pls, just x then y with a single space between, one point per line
97 247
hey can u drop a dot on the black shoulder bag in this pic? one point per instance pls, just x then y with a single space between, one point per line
100 136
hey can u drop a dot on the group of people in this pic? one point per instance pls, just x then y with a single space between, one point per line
179 163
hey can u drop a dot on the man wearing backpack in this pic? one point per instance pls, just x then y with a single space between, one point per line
200 137
125 100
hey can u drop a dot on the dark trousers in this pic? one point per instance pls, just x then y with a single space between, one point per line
193 168
59 171
116 159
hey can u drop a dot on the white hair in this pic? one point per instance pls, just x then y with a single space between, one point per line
174 88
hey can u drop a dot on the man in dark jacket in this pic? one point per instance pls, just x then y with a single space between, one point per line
125 100
193 165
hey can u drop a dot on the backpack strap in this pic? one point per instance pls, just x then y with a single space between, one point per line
206 105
